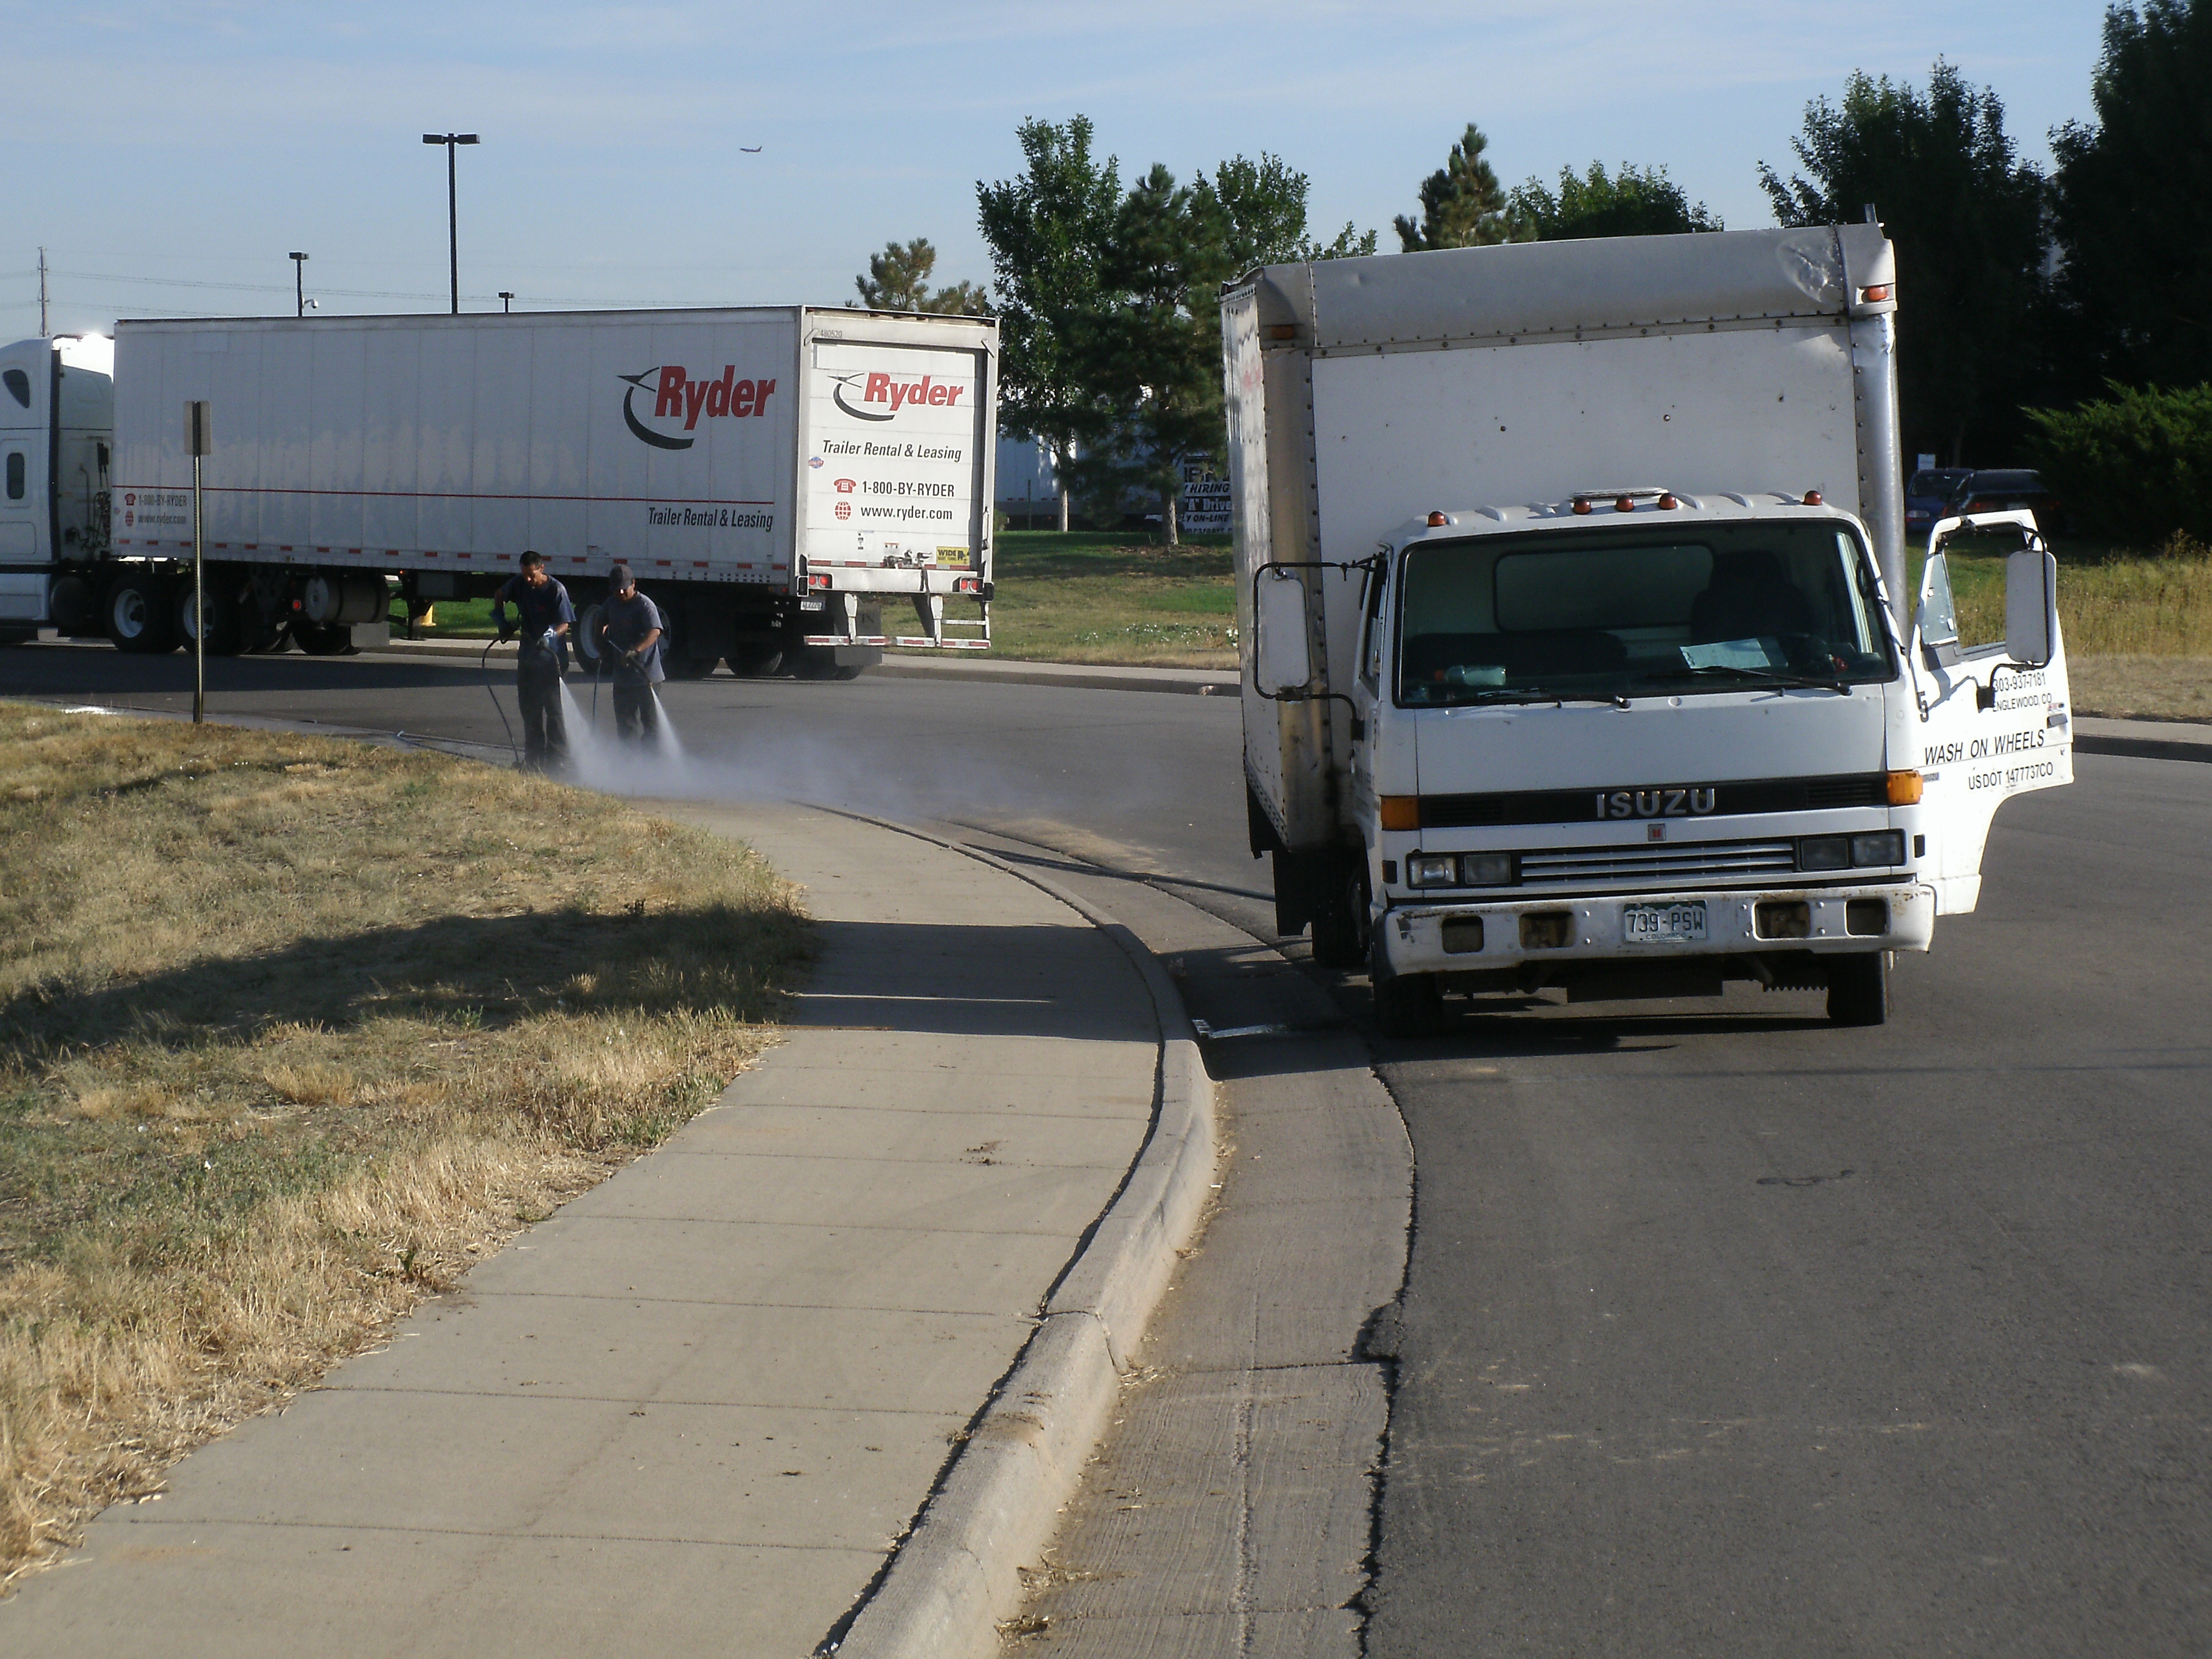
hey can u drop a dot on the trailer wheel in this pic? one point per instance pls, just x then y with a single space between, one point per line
137 612
1858 989
223 639
687 668
1405 1004
587 631
757 662
815 662
324 639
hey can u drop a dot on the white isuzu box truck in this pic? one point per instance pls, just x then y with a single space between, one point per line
796 488
1565 578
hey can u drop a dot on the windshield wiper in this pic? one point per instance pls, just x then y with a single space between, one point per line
1758 676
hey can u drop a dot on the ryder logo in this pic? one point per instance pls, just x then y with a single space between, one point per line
677 396
891 394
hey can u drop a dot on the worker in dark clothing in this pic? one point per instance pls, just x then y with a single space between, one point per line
629 644
542 604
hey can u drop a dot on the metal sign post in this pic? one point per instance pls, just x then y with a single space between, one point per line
199 441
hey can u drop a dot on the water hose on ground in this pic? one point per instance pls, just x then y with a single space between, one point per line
513 747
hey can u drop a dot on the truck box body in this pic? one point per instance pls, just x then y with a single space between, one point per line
1661 409
820 476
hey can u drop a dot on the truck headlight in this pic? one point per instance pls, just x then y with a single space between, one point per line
1485 869
1432 870
1879 846
1824 852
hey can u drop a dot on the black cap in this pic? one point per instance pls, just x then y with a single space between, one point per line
619 578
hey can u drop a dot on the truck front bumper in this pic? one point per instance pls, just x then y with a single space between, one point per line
1752 927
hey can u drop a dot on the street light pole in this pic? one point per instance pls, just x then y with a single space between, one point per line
506 300
300 280
452 208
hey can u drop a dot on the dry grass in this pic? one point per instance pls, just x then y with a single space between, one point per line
2138 627
293 1030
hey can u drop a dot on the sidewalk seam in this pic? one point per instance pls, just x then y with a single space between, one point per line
957 1573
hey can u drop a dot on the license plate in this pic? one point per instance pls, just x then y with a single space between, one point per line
1663 924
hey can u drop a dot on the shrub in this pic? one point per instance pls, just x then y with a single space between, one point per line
2137 465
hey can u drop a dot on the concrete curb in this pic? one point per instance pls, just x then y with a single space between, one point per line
958 1573
2165 749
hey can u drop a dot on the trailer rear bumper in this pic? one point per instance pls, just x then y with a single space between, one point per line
1745 927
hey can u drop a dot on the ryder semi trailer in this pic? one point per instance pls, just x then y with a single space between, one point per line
1569 578
797 488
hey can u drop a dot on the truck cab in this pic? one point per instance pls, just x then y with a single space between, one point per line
57 418
1637 744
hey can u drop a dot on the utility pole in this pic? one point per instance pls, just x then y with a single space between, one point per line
452 210
45 332
300 280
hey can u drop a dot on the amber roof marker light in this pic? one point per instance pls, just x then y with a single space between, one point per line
1812 498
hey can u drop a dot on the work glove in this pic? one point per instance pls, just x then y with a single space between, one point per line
633 658
549 642
506 630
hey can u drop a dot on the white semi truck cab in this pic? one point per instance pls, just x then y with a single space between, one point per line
1567 575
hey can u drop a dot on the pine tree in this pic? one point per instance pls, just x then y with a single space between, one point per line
898 280
1462 203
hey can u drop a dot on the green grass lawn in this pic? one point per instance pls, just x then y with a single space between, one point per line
1084 597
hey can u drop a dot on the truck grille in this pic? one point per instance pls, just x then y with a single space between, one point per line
1657 866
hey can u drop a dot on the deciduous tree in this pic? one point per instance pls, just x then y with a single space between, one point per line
1966 218
1633 202
2132 200
1049 232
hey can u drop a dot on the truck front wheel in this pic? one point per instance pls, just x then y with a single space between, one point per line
1405 1004
1340 917
1858 989
137 612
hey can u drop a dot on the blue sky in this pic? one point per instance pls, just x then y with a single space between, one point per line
169 155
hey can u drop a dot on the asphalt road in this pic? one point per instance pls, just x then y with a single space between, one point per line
1725 1332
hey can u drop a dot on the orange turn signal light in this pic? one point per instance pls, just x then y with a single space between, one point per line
1874 295
1905 788
1400 812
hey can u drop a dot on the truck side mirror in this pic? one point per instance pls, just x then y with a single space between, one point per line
2031 606
1282 661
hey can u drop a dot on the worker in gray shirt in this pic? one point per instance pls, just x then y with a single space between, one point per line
631 632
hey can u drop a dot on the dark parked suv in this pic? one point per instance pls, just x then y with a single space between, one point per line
2002 492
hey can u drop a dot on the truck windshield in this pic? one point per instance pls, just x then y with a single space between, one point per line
1626 612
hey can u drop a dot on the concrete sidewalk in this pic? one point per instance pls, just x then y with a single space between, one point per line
693 1412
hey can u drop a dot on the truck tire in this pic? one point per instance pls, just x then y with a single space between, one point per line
1339 920
757 662
1405 1004
324 639
687 668
587 635
222 609
1858 989
816 662
138 615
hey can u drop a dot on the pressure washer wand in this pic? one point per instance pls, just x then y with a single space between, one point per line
513 748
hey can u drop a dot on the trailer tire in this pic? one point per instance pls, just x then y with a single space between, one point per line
687 668
815 662
137 614
1405 1004
221 607
757 662
1858 989
587 631
324 639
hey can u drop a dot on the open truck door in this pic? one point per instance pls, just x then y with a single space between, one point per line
1995 719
